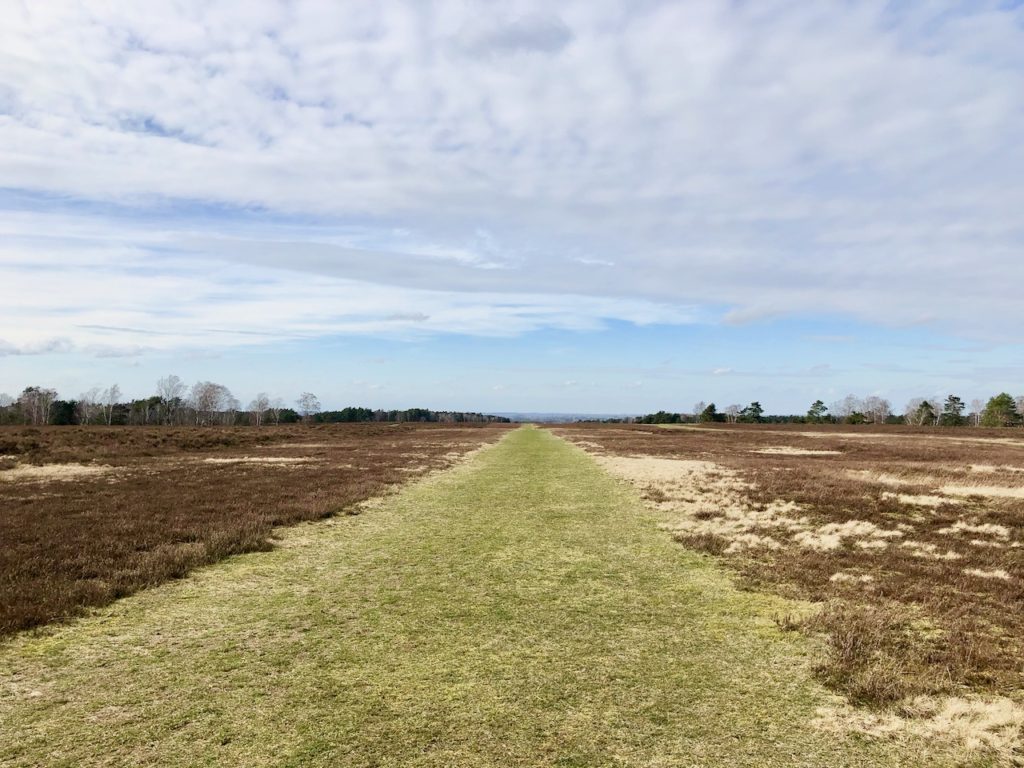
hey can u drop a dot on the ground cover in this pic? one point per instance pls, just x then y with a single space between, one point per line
911 541
521 609
88 515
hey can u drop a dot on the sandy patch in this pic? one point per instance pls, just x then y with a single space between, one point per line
46 473
788 450
706 499
649 469
258 460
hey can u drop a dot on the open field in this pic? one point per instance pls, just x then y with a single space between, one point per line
93 514
521 609
913 540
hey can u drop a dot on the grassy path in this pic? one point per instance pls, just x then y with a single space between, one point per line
522 609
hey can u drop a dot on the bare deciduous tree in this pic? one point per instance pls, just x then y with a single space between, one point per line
230 407
732 412
110 397
89 407
977 408
258 408
35 404
877 409
846 407
171 391
276 406
207 400
308 405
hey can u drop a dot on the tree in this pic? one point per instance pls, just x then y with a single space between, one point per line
919 412
976 408
258 408
846 407
208 400
110 397
698 409
63 412
732 412
952 412
8 411
1000 411
876 409
276 406
753 412
308 405
710 413
816 413
171 391
88 406
35 404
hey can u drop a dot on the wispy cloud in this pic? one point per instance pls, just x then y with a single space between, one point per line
227 173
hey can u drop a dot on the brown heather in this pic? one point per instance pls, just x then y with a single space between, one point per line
88 515
910 539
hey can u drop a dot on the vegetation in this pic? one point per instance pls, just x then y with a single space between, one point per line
206 403
913 546
1001 411
521 611
97 513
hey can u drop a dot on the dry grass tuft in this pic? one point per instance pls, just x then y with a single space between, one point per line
29 473
788 450
976 729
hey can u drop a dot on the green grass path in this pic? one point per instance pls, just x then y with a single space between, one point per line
522 609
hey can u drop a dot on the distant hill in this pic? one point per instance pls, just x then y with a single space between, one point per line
546 417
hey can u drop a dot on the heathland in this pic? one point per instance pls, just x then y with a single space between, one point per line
648 596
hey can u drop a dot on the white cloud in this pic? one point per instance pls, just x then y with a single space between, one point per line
616 160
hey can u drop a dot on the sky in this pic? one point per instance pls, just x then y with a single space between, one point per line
599 207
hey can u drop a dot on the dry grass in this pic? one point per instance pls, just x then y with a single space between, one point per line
920 569
92 514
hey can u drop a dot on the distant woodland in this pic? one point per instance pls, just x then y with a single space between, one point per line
204 403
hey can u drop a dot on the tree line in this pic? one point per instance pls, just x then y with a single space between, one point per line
1002 410
204 403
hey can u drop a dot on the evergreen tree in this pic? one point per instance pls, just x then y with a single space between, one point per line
1001 411
816 413
952 412
753 412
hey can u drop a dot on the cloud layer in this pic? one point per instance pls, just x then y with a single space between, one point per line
203 171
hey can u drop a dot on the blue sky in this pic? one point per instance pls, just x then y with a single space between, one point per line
592 207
